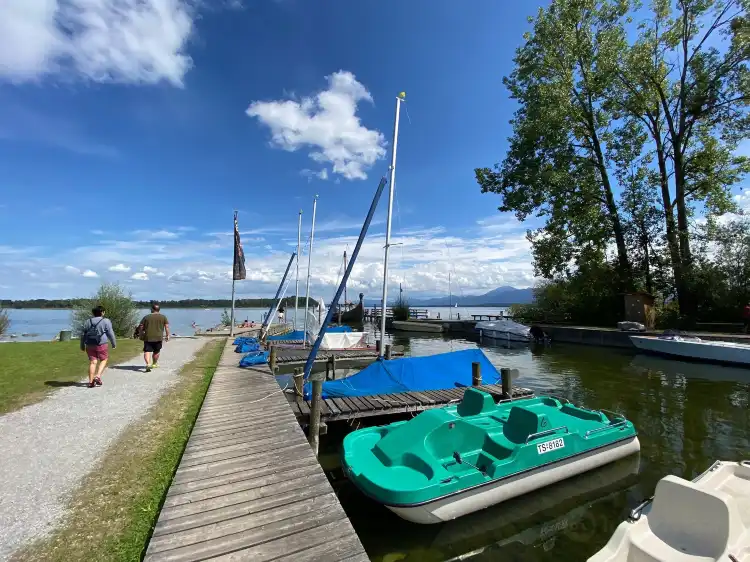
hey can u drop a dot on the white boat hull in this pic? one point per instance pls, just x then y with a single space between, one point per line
715 351
481 497
504 336
706 520
343 340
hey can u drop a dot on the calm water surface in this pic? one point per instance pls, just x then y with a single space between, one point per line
687 416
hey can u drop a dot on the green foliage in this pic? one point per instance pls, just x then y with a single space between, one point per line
401 309
119 306
226 319
4 322
620 145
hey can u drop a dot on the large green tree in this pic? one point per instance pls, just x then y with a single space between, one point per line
556 166
685 79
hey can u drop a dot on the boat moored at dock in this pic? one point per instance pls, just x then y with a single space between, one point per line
693 348
505 330
703 520
448 462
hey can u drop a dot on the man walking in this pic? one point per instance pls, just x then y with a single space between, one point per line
94 335
152 329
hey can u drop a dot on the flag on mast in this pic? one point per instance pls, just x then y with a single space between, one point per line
238 269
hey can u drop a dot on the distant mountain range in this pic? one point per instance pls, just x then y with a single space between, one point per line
502 296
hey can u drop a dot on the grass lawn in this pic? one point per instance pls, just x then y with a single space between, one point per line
114 510
31 370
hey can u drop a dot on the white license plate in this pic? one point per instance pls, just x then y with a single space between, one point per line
553 445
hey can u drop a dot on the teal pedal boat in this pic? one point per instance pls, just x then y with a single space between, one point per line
449 462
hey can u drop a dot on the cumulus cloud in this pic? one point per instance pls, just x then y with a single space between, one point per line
120 268
327 124
310 174
71 269
149 269
124 41
89 273
140 276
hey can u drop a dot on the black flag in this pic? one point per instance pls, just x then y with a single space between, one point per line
238 270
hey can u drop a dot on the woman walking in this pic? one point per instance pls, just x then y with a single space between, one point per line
94 335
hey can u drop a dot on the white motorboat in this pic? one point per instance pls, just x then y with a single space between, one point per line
706 520
504 330
694 348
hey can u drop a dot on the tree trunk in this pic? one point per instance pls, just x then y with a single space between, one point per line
623 264
671 230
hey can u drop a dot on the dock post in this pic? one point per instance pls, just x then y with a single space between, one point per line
317 399
505 379
378 345
476 374
298 381
272 359
333 366
388 351
328 369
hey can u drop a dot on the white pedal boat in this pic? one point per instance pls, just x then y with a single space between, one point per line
695 348
706 520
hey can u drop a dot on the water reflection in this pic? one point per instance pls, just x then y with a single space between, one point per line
687 415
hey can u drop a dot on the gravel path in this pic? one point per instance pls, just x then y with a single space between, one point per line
47 448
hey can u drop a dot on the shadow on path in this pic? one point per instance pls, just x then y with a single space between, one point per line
65 383
128 367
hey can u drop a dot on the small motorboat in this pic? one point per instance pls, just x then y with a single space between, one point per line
451 461
504 330
703 520
691 347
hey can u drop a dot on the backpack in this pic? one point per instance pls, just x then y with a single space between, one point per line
91 335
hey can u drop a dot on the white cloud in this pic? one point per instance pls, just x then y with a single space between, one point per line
310 174
743 201
71 269
156 234
125 41
326 123
140 276
89 273
120 267
149 269
97 232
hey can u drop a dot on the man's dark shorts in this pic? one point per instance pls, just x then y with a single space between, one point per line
152 346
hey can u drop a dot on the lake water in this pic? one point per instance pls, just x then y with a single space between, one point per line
47 323
687 415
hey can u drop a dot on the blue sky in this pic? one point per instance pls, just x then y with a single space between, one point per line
126 143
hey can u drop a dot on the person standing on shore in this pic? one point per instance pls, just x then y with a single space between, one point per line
94 335
746 318
152 329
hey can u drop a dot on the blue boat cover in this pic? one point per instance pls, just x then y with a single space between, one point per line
433 372
291 336
247 346
244 339
254 358
339 329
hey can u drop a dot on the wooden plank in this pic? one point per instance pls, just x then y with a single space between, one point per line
342 405
244 532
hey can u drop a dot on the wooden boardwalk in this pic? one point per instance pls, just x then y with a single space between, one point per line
357 407
248 486
290 355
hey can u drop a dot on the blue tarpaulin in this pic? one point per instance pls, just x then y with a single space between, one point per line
254 358
291 336
433 372
244 339
338 329
247 346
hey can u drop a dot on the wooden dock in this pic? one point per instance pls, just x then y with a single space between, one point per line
291 355
248 486
358 407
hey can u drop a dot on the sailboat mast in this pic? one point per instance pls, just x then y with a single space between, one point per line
344 285
309 262
391 187
296 284
450 298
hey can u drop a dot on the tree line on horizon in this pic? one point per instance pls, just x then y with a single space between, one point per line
287 302
625 146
